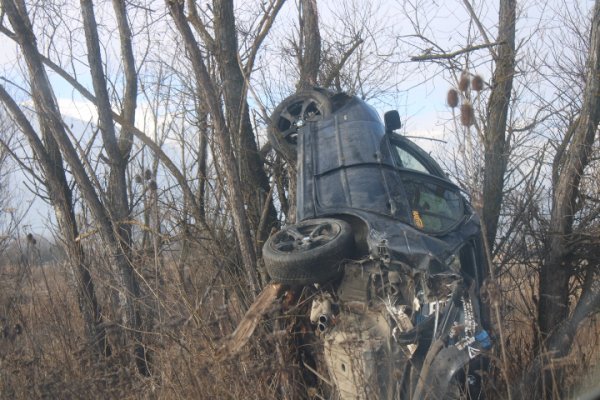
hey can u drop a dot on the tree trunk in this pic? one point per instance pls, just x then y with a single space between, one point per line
250 164
202 119
118 152
556 271
310 47
495 143
223 136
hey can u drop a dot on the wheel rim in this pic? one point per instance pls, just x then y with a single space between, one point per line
298 238
297 114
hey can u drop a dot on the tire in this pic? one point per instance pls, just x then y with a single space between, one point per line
308 252
293 113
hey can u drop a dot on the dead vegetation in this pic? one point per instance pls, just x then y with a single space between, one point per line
43 350
160 254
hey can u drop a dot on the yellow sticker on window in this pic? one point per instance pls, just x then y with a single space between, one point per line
417 219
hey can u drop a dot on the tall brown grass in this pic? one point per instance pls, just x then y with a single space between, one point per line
575 373
48 357
43 352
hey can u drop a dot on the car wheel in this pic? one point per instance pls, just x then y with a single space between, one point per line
308 252
293 113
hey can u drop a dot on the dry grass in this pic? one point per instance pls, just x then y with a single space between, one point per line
518 288
48 359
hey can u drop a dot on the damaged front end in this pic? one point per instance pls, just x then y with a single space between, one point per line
390 334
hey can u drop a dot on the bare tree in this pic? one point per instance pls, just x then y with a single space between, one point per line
224 138
496 144
557 324
112 215
60 194
513 180
309 46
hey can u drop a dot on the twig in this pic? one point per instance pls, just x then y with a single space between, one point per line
479 25
317 374
494 304
448 56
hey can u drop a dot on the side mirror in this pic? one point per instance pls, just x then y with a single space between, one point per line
392 121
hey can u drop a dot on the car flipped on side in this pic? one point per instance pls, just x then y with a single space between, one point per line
378 217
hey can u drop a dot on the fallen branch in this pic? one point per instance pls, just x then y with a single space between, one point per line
238 339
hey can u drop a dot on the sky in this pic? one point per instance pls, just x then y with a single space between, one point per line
418 90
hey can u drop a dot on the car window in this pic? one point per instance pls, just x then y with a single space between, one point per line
434 207
409 161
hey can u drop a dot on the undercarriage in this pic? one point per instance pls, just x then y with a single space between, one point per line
383 339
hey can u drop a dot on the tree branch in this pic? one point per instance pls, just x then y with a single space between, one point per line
338 67
264 27
449 56
199 26
130 95
480 27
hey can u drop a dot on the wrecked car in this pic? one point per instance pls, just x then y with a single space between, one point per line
392 243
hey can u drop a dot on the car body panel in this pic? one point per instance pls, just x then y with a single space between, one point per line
346 167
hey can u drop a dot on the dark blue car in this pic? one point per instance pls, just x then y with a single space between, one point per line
383 228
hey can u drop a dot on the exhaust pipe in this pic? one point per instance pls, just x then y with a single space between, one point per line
323 325
321 306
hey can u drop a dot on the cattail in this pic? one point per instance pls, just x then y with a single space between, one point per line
148 174
477 83
452 98
464 81
152 185
137 179
467 114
